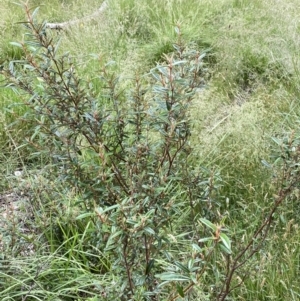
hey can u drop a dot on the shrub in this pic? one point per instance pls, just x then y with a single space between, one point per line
127 154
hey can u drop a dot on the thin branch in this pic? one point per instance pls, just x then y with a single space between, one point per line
264 227
128 268
64 25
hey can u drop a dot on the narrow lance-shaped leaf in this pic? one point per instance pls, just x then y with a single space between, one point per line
172 277
208 224
182 267
179 289
16 44
226 241
149 266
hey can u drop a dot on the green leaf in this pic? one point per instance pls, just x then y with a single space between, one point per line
194 278
277 141
208 224
196 248
191 264
179 289
29 67
172 277
160 89
84 215
155 75
116 234
149 266
168 105
265 163
150 230
163 70
33 45
205 239
34 12
110 208
226 241
179 62
224 249
202 56
16 44
57 46
182 267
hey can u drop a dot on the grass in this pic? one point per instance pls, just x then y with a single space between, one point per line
251 96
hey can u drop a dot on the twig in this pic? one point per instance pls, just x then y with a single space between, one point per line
263 230
128 270
63 25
